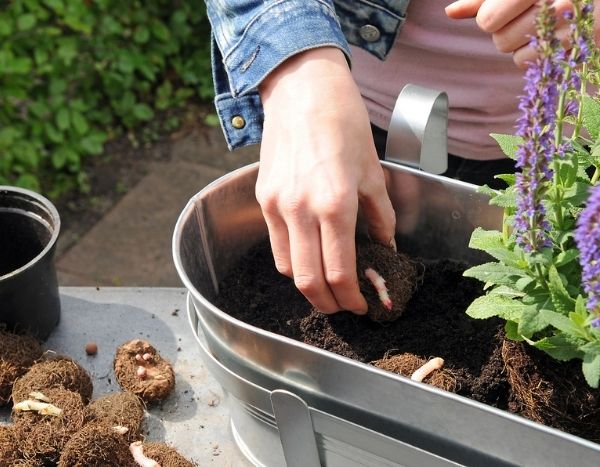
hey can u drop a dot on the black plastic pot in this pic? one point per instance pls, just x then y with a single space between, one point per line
29 228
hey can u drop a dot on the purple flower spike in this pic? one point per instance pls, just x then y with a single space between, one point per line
595 323
587 237
536 126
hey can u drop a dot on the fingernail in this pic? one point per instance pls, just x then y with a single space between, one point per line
393 244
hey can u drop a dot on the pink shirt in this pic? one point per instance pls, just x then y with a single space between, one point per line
449 55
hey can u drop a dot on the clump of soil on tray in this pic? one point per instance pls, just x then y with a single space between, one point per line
165 455
97 444
8 445
139 368
120 409
434 324
17 354
42 436
51 372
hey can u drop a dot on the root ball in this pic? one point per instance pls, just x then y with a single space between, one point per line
97 445
9 452
42 437
140 369
165 455
406 364
399 273
122 409
551 392
53 372
17 354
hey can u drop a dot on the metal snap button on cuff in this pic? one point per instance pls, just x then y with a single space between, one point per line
238 122
369 33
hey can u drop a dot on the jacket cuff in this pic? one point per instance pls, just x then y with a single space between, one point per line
282 30
241 119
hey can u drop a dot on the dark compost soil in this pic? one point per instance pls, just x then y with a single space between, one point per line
434 324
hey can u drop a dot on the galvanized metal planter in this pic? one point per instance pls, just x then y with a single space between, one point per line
296 405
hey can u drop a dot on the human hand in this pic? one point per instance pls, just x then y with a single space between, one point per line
512 23
318 164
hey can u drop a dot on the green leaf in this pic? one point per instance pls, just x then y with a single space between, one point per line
560 347
558 293
143 112
531 322
213 120
496 305
5 27
496 273
79 123
512 332
508 143
591 368
591 116
507 199
28 181
565 257
510 179
26 22
482 239
59 158
7 135
141 35
93 143
63 121
562 323
53 134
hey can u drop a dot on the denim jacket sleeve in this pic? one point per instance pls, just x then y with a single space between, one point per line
252 37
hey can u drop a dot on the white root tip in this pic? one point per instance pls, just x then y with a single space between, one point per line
120 429
39 396
137 451
139 358
42 408
147 357
421 373
141 372
379 284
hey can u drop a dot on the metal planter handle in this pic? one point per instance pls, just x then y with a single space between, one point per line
418 132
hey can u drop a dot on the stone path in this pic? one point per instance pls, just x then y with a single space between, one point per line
131 244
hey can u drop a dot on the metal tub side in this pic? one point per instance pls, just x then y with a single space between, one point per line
435 217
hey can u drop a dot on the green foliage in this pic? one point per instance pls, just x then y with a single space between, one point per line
540 294
72 74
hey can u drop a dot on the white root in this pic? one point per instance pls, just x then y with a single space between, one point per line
379 284
120 429
421 373
141 372
147 357
137 451
39 396
42 408
139 358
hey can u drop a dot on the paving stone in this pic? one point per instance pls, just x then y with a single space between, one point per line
131 245
207 146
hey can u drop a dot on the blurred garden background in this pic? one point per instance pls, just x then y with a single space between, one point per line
95 97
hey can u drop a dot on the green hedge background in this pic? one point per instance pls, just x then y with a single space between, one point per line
74 73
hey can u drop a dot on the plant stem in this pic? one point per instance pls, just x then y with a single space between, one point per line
596 176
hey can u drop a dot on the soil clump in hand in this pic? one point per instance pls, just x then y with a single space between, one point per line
95 445
395 268
52 372
140 369
123 409
17 354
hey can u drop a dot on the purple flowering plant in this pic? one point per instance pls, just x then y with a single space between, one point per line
545 280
